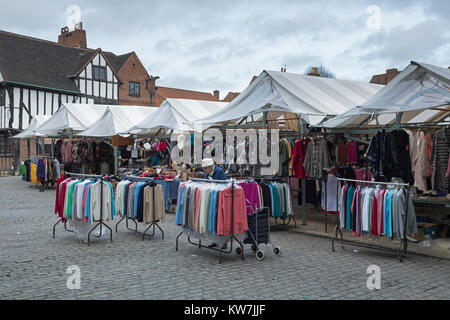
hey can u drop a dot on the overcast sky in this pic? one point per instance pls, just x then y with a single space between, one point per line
209 44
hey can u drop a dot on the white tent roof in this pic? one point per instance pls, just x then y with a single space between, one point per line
178 114
421 92
117 119
312 97
35 122
76 117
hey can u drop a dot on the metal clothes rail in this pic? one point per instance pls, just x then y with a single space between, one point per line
232 236
403 242
100 223
276 225
154 224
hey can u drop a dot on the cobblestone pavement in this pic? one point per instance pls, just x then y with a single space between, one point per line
33 264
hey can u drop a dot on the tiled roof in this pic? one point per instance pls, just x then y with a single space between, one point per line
39 62
47 64
165 92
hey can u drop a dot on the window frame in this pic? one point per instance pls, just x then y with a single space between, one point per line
138 94
94 74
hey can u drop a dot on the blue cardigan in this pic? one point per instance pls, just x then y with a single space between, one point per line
218 174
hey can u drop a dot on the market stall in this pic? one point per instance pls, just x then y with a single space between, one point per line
174 118
114 121
407 130
292 102
29 168
82 154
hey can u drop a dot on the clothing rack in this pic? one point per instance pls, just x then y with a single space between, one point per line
99 223
232 236
403 242
154 223
45 185
276 225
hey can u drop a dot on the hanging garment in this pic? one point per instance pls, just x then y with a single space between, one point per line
376 155
200 210
419 161
298 157
170 190
252 192
362 174
429 151
439 156
33 172
398 163
329 193
66 152
283 158
81 200
447 175
317 157
343 152
411 143
352 152
153 204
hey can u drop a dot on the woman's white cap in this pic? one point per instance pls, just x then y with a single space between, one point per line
207 162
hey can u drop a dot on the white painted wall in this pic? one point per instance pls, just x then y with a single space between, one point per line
89 87
96 92
25 116
33 102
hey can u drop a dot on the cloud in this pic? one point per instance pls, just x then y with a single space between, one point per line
210 44
416 43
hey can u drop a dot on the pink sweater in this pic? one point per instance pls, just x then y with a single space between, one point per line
225 223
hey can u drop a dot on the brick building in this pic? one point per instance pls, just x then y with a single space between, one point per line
162 93
384 78
37 75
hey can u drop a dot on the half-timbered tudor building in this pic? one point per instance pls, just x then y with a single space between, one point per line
36 76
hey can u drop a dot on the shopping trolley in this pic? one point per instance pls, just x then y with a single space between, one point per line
258 232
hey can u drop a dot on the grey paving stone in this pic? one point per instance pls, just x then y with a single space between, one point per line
33 264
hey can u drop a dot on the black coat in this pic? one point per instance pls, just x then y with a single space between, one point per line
398 162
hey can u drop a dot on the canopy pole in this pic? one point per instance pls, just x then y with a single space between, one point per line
398 119
264 120
51 149
116 159
302 131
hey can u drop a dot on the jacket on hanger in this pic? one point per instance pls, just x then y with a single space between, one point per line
419 161
298 158
439 158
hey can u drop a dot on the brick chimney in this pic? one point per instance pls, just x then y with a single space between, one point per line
314 72
390 74
216 94
75 38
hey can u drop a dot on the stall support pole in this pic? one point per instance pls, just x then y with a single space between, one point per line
302 131
52 151
116 159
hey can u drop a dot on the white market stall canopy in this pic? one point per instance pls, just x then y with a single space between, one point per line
418 94
116 120
77 117
314 98
72 116
37 121
178 114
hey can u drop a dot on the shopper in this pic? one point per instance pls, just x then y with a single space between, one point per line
212 171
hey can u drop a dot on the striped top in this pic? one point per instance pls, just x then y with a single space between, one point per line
439 159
